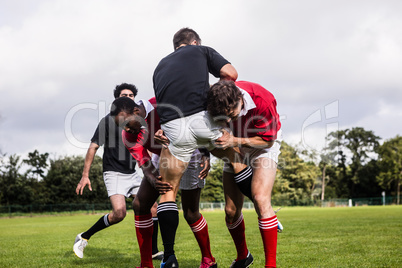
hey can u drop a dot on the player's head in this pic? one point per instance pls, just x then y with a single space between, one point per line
224 101
125 113
186 36
125 90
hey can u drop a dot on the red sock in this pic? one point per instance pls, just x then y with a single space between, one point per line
269 234
200 230
144 228
237 230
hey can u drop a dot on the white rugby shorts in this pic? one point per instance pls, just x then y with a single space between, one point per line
188 133
120 183
189 180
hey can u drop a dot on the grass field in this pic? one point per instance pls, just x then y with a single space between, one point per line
312 237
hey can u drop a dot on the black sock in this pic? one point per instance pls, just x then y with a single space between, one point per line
243 181
168 216
155 236
101 224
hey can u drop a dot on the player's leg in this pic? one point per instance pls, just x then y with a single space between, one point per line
191 186
234 219
143 203
118 213
156 254
262 184
198 224
171 169
116 188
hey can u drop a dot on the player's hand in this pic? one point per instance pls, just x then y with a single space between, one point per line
206 164
81 185
161 138
226 140
161 186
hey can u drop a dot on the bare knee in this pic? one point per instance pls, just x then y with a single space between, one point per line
262 204
232 213
191 216
117 215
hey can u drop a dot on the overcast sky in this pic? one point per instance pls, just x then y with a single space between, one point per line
330 64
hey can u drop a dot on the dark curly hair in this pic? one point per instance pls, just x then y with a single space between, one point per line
123 104
123 86
223 97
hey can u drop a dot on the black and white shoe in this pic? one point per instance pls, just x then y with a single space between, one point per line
171 262
244 263
158 256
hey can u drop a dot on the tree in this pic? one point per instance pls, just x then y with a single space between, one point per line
213 190
12 187
323 159
327 160
359 146
295 177
390 165
63 176
38 162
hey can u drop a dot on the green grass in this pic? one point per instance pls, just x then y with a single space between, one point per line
313 237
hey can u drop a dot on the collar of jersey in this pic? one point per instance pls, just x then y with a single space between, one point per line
248 102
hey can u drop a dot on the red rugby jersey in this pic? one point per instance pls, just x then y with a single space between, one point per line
140 144
261 120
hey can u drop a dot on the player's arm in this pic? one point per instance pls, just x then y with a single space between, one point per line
89 158
152 176
228 72
161 138
254 142
228 140
205 163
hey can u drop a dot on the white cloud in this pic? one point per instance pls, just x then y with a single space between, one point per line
57 54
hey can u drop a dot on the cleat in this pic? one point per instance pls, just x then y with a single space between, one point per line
244 263
276 211
158 256
171 262
280 227
79 246
207 262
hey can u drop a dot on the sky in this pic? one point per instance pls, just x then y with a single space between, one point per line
331 65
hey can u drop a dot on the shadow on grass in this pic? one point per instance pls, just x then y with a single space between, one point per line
187 263
104 257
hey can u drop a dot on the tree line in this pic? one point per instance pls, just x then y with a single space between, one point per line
353 165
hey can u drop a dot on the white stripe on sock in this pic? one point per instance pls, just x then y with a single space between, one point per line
199 226
264 224
105 220
236 223
144 223
244 175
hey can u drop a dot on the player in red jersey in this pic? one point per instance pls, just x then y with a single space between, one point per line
120 177
140 122
250 113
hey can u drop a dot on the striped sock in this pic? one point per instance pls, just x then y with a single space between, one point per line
168 216
200 230
101 224
268 229
243 180
144 229
155 236
237 231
